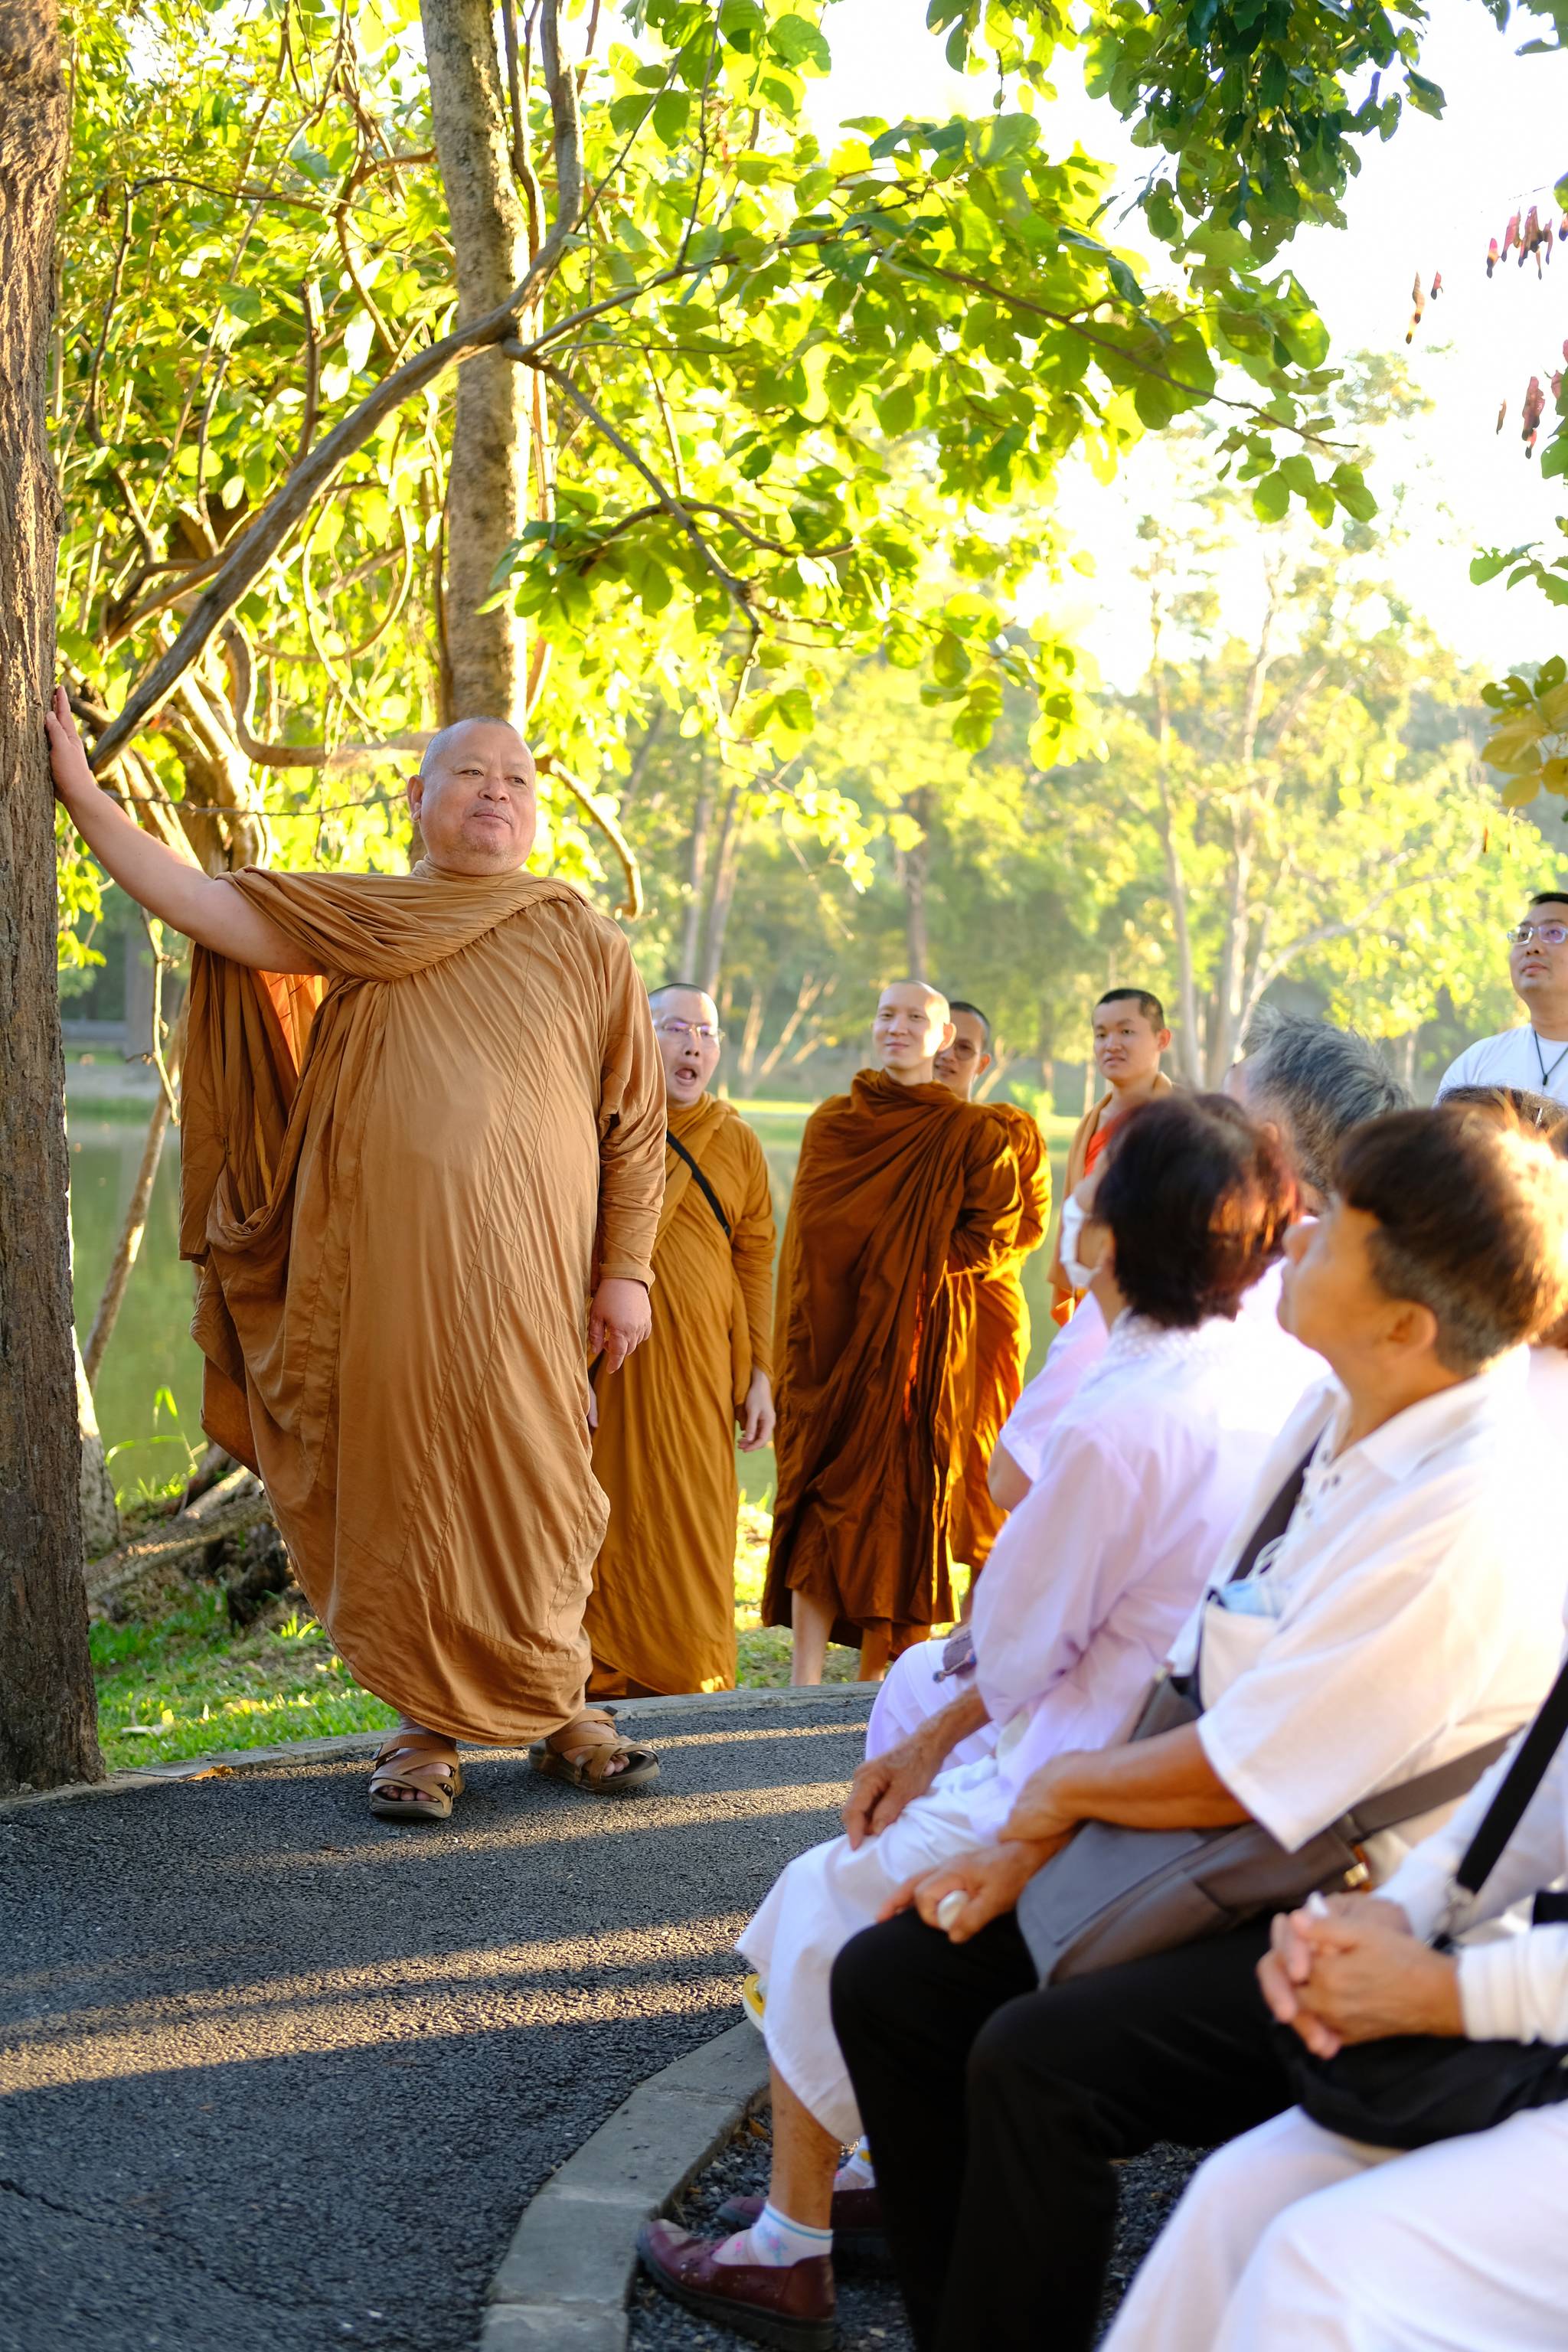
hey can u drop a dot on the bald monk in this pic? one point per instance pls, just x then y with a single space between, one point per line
1130 1036
990 1376
662 1614
423 1145
900 1187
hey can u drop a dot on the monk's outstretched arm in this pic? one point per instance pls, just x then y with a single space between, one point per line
173 888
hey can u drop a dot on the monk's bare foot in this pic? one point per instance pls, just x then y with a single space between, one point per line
569 1742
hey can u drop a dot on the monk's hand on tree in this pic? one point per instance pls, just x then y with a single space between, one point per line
619 1319
74 779
757 1415
987 1883
885 1784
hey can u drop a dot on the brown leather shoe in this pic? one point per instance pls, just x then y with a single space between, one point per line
859 2240
793 2306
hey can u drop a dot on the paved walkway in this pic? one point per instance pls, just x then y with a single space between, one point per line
277 2077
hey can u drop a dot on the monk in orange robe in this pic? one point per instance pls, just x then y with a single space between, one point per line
995 1313
1129 1036
418 1176
662 1613
900 1187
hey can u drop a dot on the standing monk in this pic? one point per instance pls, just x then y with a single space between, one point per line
1129 1036
403 1189
901 1188
662 1614
990 1376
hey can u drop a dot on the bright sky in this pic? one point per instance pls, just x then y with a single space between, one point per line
1427 201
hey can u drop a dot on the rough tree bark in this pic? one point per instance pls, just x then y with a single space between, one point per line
47 1733
726 873
488 496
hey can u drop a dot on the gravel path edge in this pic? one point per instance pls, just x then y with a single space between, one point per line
565 2282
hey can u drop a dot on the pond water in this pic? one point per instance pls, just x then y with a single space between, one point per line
150 1387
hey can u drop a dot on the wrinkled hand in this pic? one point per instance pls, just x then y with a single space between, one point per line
74 779
1041 1816
883 1786
757 1414
619 1319
991 1878
1357 1974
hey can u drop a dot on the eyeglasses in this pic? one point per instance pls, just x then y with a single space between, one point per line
700 1030
1551 934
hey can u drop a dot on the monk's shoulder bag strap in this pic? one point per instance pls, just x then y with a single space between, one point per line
1115 1894
1416 2087
708 1194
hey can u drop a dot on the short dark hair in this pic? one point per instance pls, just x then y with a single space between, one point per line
1472 1219
962 1005
1196 1200
1318 1082
692 988
1520 1106
1148 1004
1558 898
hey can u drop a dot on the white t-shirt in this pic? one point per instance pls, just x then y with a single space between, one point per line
1412 1610
1513 1059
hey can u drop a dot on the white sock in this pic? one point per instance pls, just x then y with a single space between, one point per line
773 2241
857 2171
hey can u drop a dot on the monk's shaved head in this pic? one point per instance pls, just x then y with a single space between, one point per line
448 740
911 1028
475 799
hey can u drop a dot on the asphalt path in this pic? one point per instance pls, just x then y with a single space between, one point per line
279 2077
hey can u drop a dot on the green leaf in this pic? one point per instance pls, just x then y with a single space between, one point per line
800 44
1270 497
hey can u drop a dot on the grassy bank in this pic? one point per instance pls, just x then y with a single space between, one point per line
178 1682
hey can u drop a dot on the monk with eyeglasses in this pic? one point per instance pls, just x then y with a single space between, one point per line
662 1613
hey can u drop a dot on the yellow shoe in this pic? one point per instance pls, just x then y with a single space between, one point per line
754 1998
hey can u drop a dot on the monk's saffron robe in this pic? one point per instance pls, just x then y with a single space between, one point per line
898 1189
1090 1136
663 1607
401 1184
995 1351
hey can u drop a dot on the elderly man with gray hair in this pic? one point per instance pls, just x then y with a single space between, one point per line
1312 1083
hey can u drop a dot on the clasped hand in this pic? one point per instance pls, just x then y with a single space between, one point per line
1354 1972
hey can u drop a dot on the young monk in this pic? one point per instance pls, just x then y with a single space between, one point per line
1130 1036
899 1188
402 1194
662 1613
995 1312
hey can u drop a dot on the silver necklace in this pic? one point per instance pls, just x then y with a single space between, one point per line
1546 1075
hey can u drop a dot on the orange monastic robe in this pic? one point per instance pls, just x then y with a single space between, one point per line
990 1379
898 1189
1090 1138
398 1232
663 1606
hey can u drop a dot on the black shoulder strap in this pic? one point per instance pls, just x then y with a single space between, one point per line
708 1194
1519 1785
1274 1519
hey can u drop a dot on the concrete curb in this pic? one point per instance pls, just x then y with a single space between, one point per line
220 1761
566 2276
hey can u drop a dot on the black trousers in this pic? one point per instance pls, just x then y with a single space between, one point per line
995 2111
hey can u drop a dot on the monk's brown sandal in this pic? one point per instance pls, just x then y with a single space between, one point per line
438 1779
597 1744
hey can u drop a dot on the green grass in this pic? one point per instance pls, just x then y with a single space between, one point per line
179 1682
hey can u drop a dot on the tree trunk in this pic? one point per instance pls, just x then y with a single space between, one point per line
913 873
487 502
726 872
1190 1043
47 1718
696 874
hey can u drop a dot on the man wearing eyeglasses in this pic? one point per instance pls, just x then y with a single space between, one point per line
662 1613
1536 1056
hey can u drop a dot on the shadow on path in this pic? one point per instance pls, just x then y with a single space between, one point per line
277 2077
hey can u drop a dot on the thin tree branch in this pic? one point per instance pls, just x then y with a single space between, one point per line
549 765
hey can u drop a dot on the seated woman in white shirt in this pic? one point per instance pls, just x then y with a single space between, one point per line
1140 1483
1294 2238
